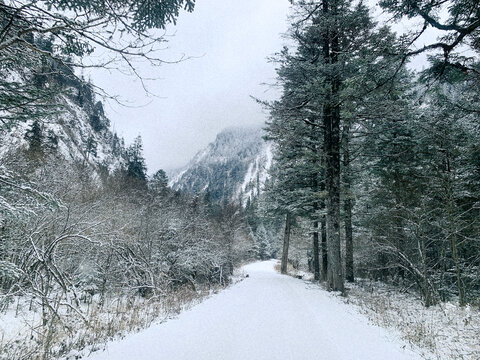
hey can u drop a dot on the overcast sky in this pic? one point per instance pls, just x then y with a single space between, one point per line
231 40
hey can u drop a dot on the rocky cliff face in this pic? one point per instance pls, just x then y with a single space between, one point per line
76 131
232 168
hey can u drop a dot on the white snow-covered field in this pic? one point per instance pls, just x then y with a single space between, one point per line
266 316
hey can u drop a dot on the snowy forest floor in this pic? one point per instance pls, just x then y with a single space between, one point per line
265 316
442 332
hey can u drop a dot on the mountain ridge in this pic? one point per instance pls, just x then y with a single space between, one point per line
233 167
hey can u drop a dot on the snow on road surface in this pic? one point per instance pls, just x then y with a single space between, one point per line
266 316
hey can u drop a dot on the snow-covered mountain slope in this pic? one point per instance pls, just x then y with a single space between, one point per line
232 168
77 132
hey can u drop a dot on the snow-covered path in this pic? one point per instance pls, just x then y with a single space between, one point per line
266 316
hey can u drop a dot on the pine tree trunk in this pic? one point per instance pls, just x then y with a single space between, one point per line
453 231
456 261
323 223
324 248
316 260
334 272
399 226
316 187
349 271
427 291
286 243
348 206
332 153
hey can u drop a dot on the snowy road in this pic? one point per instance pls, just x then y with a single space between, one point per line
266 316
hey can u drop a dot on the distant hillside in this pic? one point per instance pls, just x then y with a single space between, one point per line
232 168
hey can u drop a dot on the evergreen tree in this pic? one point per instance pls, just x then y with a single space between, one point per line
52 143
159 181
91 147
265 248
457 28
35 138
116 145
449 135
339 51
391 151
416 152
136 167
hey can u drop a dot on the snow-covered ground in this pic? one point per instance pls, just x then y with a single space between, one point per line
445 331
266 316
95 322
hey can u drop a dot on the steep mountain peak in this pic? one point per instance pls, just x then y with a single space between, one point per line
234 167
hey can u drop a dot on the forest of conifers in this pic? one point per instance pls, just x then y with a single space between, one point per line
375 153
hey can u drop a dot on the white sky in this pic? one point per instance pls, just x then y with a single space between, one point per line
199 97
